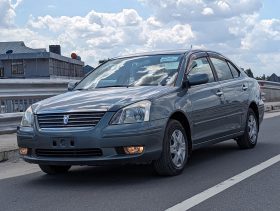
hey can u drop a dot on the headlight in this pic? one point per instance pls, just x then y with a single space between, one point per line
28 118
137 112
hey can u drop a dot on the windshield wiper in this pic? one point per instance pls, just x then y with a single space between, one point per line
79 89
112 86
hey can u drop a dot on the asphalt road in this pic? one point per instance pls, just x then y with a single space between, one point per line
139 188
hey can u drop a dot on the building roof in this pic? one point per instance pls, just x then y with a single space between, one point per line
87 68
274 78
18 47
20 51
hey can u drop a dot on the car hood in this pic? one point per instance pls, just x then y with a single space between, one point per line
99 99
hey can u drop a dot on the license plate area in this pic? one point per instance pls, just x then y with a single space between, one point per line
63 142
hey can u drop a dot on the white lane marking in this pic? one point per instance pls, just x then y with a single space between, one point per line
197 199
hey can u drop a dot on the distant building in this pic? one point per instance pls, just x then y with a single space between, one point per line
19 61
87 69
274 78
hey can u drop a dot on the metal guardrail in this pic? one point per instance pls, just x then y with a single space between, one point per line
16 95
9 122
268 83
270 90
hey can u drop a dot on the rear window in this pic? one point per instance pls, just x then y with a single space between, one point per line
222 69
234 71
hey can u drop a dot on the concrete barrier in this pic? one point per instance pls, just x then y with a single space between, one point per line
271 91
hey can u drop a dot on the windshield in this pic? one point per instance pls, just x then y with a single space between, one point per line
158 70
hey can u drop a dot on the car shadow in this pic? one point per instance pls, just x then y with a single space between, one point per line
206 154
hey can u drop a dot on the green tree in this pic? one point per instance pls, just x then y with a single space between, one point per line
249 73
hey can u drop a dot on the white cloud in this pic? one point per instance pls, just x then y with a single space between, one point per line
196 10
153 22
7 12
108 33
179 36
207 11
264 37
223 6
16 4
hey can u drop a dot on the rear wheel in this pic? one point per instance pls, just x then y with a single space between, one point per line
49 169
250 137
175 150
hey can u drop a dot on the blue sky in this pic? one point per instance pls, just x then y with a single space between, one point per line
73 8
270 8
248 31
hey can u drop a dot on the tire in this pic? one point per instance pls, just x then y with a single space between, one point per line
250 137
48 169
175 143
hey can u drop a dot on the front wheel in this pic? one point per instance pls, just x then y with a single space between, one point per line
250 137
175 150
50 169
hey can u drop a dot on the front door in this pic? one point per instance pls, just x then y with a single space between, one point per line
207 103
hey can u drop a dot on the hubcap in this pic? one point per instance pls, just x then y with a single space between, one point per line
177 148
252 129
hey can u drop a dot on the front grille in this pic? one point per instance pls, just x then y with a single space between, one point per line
69 152
65 120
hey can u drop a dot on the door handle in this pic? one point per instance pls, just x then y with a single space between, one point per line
219 93
244 87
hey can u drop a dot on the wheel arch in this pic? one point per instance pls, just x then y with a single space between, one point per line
254 107
182 118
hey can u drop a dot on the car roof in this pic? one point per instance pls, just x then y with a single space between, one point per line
166 52
151 53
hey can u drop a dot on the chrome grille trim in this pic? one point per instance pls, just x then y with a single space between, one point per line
76 119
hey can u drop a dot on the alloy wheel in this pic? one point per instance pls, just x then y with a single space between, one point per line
252 129
178 148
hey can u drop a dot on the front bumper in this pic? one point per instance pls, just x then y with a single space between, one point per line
109 139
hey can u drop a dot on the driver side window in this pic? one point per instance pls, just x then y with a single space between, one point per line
201 65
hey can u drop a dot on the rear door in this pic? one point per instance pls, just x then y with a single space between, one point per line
206 102
242 89
235 93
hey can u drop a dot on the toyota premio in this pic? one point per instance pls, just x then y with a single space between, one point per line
152 108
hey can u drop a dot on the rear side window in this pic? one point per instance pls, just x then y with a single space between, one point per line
234 71
222 69
201 65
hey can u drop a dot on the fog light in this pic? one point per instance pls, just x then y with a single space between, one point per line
23 151
133 150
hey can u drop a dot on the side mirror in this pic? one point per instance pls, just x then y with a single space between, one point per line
199 78
72 85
